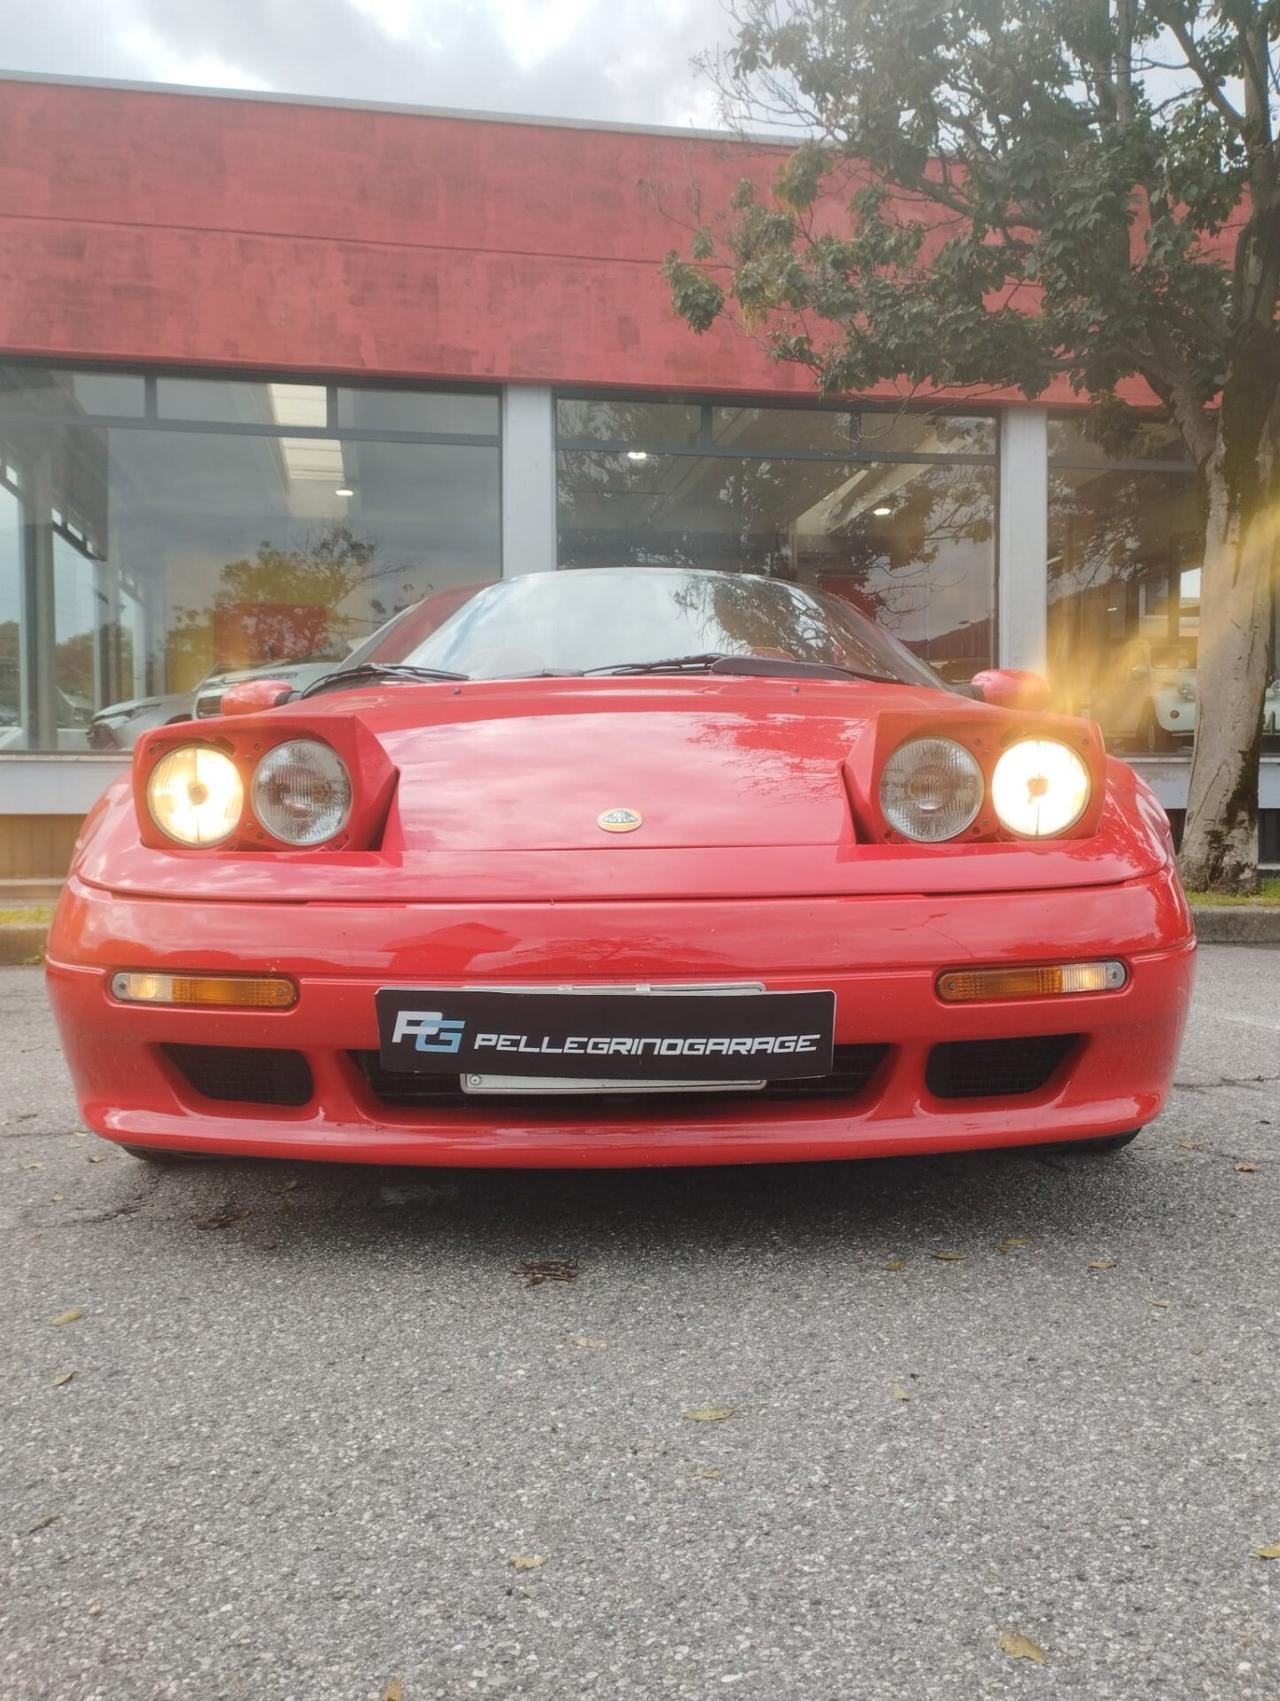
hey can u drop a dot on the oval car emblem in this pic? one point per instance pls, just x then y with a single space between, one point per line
619 820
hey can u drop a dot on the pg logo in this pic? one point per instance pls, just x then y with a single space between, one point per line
430 1030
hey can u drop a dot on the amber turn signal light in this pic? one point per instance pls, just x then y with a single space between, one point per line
230 992
964 986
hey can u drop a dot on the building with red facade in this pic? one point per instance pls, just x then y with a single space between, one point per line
272 369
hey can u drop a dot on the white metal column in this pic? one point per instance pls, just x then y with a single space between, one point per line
528 480
1023 558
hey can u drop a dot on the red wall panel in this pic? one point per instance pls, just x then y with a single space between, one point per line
151 226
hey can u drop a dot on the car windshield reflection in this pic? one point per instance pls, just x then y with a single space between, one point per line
593 621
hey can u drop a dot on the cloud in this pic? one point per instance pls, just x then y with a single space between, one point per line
166 63
621 60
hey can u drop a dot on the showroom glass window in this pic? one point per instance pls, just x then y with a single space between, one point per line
1126 534
890 509
156 529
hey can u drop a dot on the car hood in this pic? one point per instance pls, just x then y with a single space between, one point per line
741 787
724 778
142 705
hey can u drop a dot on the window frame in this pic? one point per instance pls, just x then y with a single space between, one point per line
36 602
705 447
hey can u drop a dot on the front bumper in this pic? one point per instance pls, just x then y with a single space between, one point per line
880 955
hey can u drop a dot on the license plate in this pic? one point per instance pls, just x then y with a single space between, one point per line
607 1034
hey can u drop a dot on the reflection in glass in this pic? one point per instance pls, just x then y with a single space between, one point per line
231 402
1149 440
450 413
1124 602
153 558
49 390
910 544
838 431
578 622
669 424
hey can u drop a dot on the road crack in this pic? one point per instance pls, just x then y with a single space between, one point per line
1224 1081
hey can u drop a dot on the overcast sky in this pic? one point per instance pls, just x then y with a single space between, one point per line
627 60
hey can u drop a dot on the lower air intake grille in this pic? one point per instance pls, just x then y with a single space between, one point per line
244 1074
854 1067
1002 1068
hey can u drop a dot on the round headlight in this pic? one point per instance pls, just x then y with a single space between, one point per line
195 795
301 792
931 789
1039 788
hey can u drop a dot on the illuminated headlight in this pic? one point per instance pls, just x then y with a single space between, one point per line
1039 788
301 792
931 789
195 795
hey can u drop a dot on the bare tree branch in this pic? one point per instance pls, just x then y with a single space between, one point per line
1208 82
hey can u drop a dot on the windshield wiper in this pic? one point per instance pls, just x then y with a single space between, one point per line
345 676
717 661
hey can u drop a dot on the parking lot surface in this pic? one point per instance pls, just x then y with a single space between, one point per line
328 1434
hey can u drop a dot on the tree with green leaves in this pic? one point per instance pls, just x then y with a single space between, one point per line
1005 192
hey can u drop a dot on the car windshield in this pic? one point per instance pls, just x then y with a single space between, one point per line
581 621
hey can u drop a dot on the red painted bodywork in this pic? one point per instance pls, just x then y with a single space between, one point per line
1013 688
252 696
755 861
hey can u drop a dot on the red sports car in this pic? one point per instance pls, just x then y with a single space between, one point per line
621 867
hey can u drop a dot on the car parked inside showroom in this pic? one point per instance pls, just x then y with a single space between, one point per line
120 725
1146 702
621 867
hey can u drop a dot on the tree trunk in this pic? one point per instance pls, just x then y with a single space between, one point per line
1220 842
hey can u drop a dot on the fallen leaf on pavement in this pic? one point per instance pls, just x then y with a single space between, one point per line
948 1257
901 1393
1191 1146
220 1219
590 1343
1246 1169
1012 1241
43 1523
394 1690
1271 1552
96 1158
711 1475
62 1378
1102 1263
73 1316
35 1164
527 1561
710 1414
57 1198
539 1270
1020 1647
896 1264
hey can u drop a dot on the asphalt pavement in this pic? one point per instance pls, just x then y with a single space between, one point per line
319 1434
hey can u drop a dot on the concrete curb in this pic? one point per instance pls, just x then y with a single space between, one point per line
1237 924
23 942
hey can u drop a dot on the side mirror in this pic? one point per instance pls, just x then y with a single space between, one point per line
1011 688
251 696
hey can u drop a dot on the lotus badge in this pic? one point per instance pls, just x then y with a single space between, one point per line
619 820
